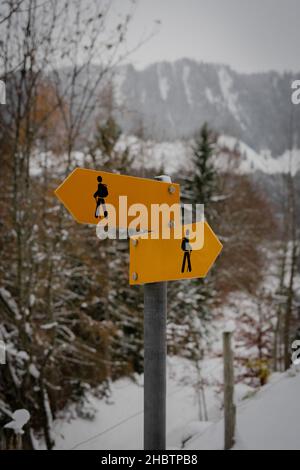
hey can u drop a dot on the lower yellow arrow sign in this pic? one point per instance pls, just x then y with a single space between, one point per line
156 260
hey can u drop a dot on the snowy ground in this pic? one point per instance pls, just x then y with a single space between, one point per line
266 419
118 423
269 420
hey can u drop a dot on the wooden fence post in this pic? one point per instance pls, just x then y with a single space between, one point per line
229 406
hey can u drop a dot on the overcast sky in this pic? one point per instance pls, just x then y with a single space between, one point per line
249 35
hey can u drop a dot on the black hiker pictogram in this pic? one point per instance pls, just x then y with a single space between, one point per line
186 247
100 195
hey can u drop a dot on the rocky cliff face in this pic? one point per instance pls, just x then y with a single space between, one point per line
172 100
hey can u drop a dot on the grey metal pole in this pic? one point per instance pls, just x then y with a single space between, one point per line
155 352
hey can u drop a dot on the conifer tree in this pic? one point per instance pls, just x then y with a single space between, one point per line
193 299
202 186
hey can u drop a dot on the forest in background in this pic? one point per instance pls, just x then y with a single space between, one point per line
69 319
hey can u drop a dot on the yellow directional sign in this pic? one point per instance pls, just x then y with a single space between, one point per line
91 195
156 260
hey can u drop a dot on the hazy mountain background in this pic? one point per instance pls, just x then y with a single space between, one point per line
172 100
166 104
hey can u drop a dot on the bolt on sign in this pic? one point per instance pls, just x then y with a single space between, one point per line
92 196
190 256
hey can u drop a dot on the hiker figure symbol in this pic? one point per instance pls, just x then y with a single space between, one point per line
187 249
100 195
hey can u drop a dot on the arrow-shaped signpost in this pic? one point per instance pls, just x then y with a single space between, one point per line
91 197
87 193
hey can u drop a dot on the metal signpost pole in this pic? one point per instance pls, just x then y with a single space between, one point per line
155 352
155 356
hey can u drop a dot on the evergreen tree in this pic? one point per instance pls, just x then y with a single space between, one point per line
201 187
103 148
193 299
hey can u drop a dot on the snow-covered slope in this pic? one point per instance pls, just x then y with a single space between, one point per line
118 421
176 155
269 420
252 161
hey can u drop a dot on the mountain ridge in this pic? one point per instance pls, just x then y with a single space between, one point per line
168 101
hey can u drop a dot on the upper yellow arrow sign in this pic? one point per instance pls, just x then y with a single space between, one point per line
156 260
88 194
